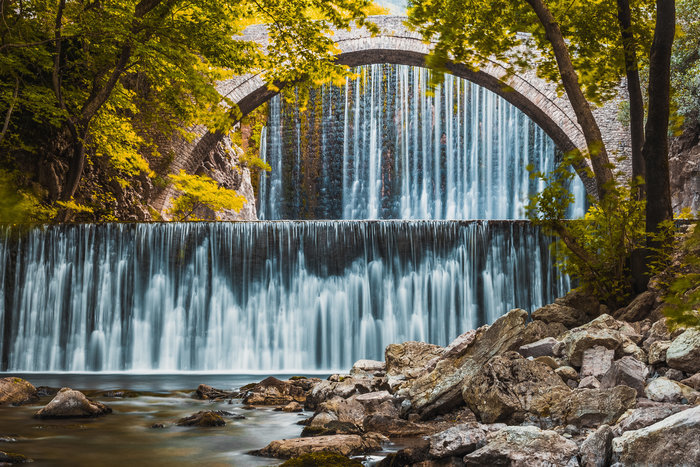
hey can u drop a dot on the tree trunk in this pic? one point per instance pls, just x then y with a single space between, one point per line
655 149
636 102
591 131
634 89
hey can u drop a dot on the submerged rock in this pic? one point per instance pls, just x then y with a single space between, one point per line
346 445
69 403
322 459
202 419
13 458
206 392
674 440
441 389
524 446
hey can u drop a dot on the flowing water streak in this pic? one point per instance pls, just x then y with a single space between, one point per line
257 296
383 147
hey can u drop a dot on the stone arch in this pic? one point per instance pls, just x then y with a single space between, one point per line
396 44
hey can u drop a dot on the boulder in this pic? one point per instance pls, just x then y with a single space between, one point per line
460 343
657 352
693 381
644 416
566 373
604 331
639 308
658 332
509 387
69 403
596 449
537 330
627 371
457 441
272 391
524 446
547 360
372 367
17 391
207 392
346 445
674 440
583 302
412 455
293 407
596 361
589 382
202 419
558 313
684 352
409 358
595 407
675 375
441 389
665 390
542 347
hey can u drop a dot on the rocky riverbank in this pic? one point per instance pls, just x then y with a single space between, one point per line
572 386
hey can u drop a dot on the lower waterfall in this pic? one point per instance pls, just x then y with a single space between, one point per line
263 296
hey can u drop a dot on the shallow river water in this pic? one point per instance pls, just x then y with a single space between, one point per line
125 437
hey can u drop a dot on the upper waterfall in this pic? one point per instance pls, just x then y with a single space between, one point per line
387 146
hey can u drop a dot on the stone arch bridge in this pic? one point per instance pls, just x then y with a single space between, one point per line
397 44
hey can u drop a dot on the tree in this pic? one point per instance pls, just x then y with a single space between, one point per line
80 79
586 48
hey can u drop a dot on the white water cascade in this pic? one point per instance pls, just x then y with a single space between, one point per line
383 147
259 296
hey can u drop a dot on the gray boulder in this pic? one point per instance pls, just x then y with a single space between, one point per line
627 371
69 403
457 441
540 348
596 361
684 352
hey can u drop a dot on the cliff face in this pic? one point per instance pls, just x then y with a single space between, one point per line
684 162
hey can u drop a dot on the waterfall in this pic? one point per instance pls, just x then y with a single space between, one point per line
384 147
261 296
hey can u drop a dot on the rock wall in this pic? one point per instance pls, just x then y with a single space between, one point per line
684 162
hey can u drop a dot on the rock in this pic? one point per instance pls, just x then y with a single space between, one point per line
658 332
332 428
596 449
566 373
589 382
441 389
13 458
582 301
547 360
17 391
539 348
674 440
524 446
557 313
639 308
293 407
460 344
645 416
69 403
374 399
202 419
346 445
657 352
157 426
664 390
595 407
409 358
627 371
206 392
414 454
325 459
457 441
693 381
509 387
596 361
272 391
673 374
368 367
603 331
537 330
684 352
